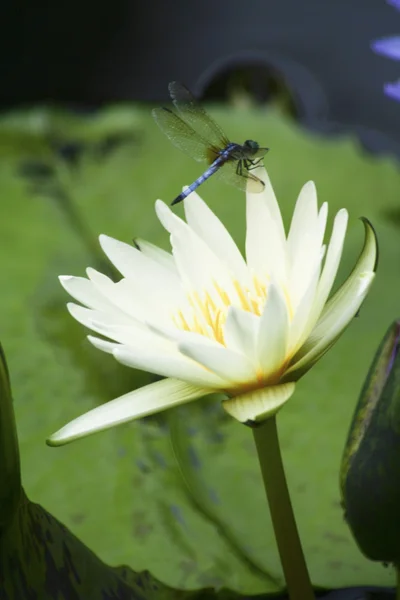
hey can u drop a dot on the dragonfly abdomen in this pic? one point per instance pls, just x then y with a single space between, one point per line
218 162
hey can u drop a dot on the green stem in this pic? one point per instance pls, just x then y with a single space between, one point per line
291 554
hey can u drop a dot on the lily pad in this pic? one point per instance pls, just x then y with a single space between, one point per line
181 494
40 558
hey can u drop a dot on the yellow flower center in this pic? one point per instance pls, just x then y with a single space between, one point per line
205 312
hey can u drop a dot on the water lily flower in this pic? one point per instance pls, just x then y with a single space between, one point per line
210 320
392 90
389 47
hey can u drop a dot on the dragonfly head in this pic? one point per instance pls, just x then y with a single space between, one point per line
254 149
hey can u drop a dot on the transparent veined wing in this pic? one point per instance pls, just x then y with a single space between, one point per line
195 115
182 135
245 181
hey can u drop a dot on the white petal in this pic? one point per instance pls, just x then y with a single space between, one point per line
304 219
232 367
168 364
198 266
139 403
241 331
326 334
135 336
136 300
209 228
340 309
273 332
145 304
306 313
260 404
85 292
175 335
157 254
123 295
304 243
101 282
131 333
102 345
332 260
265 246
322 219
268 197
135 265
87 316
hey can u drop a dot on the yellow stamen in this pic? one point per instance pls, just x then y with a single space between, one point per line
222 293
242 296
206 312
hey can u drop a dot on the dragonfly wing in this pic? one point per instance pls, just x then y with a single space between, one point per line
196 116
245 181
181 134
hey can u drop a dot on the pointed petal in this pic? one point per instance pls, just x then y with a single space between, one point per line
304 242
176 336
135 265
340 309
134 405
268 197
332 261
322 219
131 333
322 338
265 245
134 336
258 405
305 315
241 331
165 259
273 333
360 276
87 316
168 364
103 345
198 266
85 292
304 217
139 300
209 228
230 366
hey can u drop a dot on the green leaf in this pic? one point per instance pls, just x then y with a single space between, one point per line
10 475
122 491
40 558
370 480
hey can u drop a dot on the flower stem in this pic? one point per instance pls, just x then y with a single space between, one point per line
291 554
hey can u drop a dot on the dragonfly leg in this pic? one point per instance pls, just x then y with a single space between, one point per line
252 164
239 168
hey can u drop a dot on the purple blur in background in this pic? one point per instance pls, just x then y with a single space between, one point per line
390 47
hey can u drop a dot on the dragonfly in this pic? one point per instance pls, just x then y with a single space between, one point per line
192 130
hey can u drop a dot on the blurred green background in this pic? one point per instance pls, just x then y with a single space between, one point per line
179 494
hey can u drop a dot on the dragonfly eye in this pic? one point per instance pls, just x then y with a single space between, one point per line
251 145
